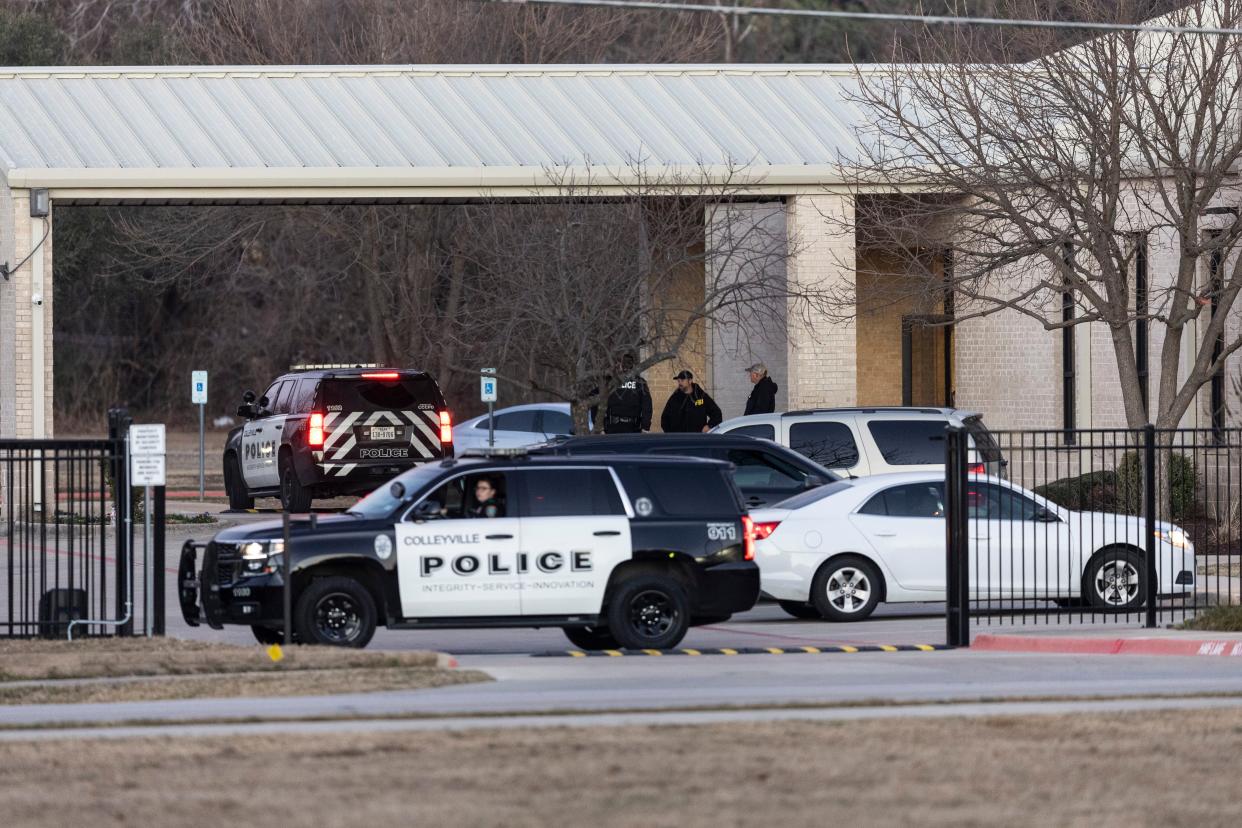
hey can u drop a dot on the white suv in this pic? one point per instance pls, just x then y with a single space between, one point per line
866 441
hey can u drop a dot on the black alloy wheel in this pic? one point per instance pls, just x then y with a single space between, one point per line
336 611
294 497
649 612
235 485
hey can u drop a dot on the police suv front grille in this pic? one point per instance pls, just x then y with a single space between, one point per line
226 560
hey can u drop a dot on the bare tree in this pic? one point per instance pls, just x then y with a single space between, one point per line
1043 179
565 290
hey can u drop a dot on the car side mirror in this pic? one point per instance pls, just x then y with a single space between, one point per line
246 411
1046 516
427 509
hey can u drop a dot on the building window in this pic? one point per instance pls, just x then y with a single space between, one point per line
1069 378
1140 316
1217 392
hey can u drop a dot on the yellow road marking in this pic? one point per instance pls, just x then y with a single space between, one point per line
845 648
927 648
811 649
577 654
727 651
653 652
614 652
688 651
888 648
775 650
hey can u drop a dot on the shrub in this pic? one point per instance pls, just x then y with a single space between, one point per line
1216 619
1090 492
1181 481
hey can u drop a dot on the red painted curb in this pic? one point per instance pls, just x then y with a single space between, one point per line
1110 646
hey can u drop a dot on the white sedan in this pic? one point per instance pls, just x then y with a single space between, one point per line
838 551
518 426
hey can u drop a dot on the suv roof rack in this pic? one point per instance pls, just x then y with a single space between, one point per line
871 409
494 451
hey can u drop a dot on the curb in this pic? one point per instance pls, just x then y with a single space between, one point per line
733 651
1109 646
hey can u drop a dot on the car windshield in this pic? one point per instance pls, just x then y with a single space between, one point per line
381 503
813 495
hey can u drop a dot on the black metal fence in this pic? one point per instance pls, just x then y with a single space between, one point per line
67 541
1097 526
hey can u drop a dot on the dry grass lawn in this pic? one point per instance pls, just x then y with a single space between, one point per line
1125 770
198 669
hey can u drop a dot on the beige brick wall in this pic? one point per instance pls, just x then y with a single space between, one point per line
823 365
17 379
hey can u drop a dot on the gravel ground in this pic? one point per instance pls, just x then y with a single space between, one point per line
1124 770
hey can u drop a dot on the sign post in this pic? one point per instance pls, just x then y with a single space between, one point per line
487 394
146 469
198 396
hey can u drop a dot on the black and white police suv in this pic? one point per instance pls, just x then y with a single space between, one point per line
620 551
324 431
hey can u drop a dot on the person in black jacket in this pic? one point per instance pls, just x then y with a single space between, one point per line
762 398
689 408
629 405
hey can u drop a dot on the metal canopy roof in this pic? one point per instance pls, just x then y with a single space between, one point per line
462 129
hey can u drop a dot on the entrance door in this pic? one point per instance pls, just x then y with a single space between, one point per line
927 360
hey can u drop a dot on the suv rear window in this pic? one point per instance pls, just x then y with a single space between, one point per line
691 492
403 394
761 430
829 444
909 442
985 443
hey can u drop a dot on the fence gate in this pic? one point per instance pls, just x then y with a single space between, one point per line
66 548
1102 526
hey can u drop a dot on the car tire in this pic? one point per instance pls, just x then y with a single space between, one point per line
801 610
648 612
294 497
335 611
1115 579
267 635
235 484
846 589
591 638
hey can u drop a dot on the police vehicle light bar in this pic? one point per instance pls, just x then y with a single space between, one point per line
382 375
446 427
494 452
328 365
314 431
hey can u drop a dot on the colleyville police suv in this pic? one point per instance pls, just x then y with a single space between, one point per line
620 551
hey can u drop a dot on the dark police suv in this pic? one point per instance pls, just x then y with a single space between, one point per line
326 431
765 472
620 551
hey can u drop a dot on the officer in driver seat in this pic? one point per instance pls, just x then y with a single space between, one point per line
487 500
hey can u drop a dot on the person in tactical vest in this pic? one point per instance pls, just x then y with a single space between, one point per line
629 405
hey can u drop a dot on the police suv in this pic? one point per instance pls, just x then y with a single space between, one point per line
620 551
324 431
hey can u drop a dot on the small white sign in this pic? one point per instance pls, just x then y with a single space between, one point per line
146 439
198 387
487 389
146 470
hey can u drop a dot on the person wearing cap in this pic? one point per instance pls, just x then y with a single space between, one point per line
689 408
762 398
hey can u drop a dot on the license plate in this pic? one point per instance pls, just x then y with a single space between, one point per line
383 432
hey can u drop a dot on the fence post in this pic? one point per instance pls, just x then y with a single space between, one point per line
118 430
286 574
157 561
1152 575
956 532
